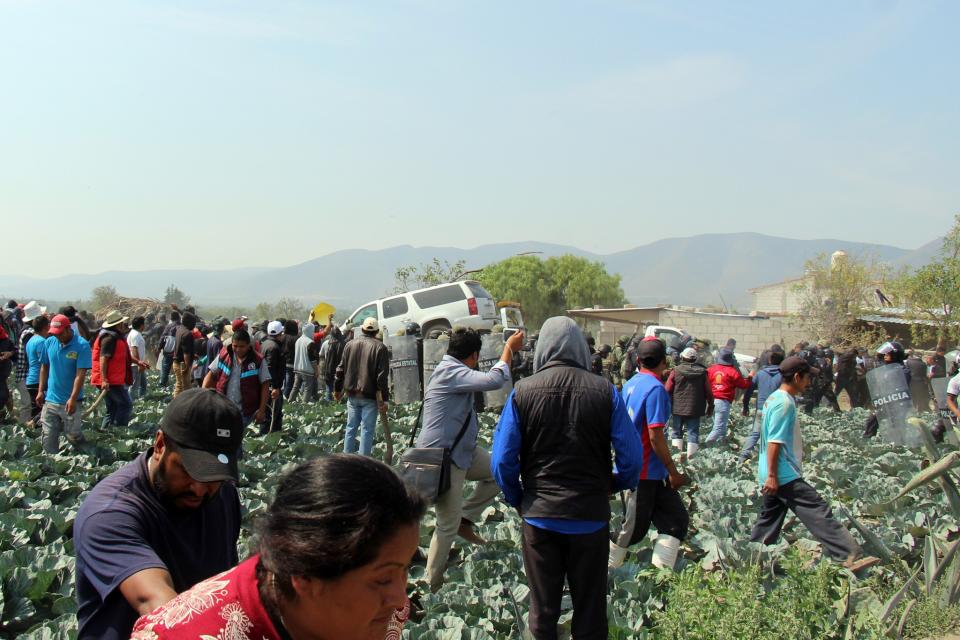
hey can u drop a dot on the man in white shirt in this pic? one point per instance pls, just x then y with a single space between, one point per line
138 354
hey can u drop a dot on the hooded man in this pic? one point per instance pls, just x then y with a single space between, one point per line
725 379
331 352
560 479
306 357
764 383
111 368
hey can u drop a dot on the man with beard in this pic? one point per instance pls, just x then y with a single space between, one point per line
162 523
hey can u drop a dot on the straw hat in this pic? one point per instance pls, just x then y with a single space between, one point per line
113 319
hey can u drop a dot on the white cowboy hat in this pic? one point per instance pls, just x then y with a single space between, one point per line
32 311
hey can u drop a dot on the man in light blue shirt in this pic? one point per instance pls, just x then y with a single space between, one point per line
780 474
447 408
64 363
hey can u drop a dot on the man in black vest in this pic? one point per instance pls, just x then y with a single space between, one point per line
556 433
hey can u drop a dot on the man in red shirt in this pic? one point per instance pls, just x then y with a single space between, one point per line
725 378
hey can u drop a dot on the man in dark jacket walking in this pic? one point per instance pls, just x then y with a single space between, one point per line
272 351
364 372
560 479
692 399
764 383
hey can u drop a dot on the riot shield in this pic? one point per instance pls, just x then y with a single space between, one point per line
940 391
433 352
890 394
490 351
404 368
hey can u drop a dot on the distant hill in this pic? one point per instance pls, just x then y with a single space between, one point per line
699 270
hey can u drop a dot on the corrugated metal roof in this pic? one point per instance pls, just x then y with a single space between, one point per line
896 320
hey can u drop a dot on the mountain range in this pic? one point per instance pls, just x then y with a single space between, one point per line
710 269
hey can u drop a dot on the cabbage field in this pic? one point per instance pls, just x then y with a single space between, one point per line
725 587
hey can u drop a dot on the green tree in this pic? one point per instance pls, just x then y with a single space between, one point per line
103 296
931 293
263 311
174 295
290 309
549 287
834 293
427 275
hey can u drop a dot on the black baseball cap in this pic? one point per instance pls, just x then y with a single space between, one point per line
651 351
206 429
796 364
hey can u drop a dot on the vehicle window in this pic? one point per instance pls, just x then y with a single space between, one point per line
477 290
394 307
439 296
670 338
369 311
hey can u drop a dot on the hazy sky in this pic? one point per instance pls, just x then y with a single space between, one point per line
223 134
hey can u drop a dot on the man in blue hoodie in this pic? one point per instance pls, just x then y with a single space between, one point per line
764 383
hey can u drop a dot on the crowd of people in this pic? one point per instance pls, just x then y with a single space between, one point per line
156 541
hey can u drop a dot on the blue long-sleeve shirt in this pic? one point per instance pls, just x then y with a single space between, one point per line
505 462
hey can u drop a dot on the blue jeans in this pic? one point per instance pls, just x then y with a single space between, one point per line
752 439
690 424
119 406
721 417
360 411
139 387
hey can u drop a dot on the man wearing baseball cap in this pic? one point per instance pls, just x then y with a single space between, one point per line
64 362
780 473
656 500
164 522
272 351
363 373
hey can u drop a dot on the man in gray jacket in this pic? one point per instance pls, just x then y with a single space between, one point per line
363 373
447 407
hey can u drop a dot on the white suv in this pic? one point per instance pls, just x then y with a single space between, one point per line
464 304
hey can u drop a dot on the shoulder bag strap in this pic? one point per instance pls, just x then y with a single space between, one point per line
416 426
463 430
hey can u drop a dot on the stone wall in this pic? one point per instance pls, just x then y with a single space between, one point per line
753 334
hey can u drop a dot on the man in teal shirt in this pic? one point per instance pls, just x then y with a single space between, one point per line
64 363
780 473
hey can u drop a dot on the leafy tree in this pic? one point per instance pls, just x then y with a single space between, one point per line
834 294
931 293
549 287
263 311
290 308
103 296
175 296
427 275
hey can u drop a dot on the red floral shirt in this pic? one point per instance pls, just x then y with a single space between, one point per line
224 607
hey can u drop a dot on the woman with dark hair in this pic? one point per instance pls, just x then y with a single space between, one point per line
332 557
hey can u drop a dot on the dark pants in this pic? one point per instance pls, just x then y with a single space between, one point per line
813 512
166 361
656 502
273 416
288 377
850 386
34 407
548 559
119 406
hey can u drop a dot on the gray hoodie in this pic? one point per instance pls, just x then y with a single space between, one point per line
301 358
561 340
